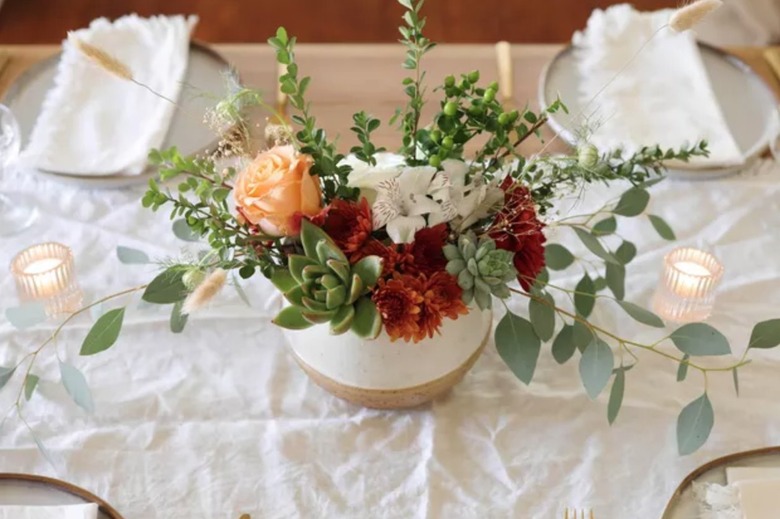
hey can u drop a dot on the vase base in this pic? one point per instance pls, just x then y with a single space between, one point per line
401 398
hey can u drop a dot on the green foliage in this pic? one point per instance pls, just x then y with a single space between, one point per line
76 386
183 231
178 320
765 335
542 315
364 125
682 369
700 339
26 315
605 227
104 332
557 257
616 280
5 375
694 425
30 383
625 253
482 270
633 202
640 314
596 366
594 245
616 395
662 228
564 345
585 296
518 346
130 256
327 289
167 288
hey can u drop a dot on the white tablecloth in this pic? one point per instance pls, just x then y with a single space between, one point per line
219 421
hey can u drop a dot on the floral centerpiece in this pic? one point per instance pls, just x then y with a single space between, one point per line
402 243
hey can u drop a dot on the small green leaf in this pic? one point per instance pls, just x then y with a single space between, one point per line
633 202
582 336
292 319
563 346
594 245
178 320
104 332
76 386
5 375
542 316
625 253
26 315
662 228
605 227
130 256
682 369
30 383
735 376
765 335
167 288
585 296
183 231
596 366
640 314
699 339
616 280
616 396
694 425
557 256
518 346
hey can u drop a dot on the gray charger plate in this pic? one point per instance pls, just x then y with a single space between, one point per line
205 74
27 489
749 105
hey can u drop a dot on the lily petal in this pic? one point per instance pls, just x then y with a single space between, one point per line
402 228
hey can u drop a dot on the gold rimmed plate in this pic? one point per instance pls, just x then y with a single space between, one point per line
205 74
682 505
749 105
32 490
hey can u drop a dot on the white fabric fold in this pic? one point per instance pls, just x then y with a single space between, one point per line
85 511
658 89
94 123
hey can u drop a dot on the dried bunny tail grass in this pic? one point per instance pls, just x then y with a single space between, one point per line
204 292
101 58
686 17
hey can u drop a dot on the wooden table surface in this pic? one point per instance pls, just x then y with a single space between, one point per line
351 77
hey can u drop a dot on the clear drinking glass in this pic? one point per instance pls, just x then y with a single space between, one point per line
15 215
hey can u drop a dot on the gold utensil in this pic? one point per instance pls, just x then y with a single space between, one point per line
506 78
573 513
772 57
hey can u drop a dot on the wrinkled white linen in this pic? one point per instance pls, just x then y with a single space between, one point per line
49 512
219 421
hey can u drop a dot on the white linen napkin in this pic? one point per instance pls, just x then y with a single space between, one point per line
85 511
663 96
93 123
751 493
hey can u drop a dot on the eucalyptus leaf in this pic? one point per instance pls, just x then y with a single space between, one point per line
30 383
178 320
700 339
633 202
130 256
167 288
518 346
594 245
596 366
26 315
240 291
662 228
563 346
557 257
76 386
694 425
183 231
605 227
735 376
542 316
765 335
104 332
616 280
5 375
640 314
625 253
585 296
682 369
616 396
42 449
582 336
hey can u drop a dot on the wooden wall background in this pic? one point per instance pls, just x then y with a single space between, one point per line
453 21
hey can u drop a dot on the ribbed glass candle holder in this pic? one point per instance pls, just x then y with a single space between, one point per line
690 281
45 273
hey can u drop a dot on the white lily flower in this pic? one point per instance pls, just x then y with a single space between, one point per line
471 202
402 202
364 176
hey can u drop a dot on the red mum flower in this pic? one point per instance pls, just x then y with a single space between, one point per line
426 251
517 228
374 247
442 299
348 223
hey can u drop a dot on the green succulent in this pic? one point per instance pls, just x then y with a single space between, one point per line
322 287
482 269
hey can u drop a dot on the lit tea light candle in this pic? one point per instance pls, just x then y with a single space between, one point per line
45 273
690 279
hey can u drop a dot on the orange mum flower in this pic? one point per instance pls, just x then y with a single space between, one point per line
413 307
348 223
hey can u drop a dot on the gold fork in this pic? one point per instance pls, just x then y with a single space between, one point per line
573 513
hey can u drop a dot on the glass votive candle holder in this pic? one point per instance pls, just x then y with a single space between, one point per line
45 273
690 281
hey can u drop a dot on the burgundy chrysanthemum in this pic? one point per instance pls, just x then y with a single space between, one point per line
348 223
426 251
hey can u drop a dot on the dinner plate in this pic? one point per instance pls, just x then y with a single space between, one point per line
748 104
26 489
204 80
682 505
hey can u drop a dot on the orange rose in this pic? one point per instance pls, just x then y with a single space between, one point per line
276 189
